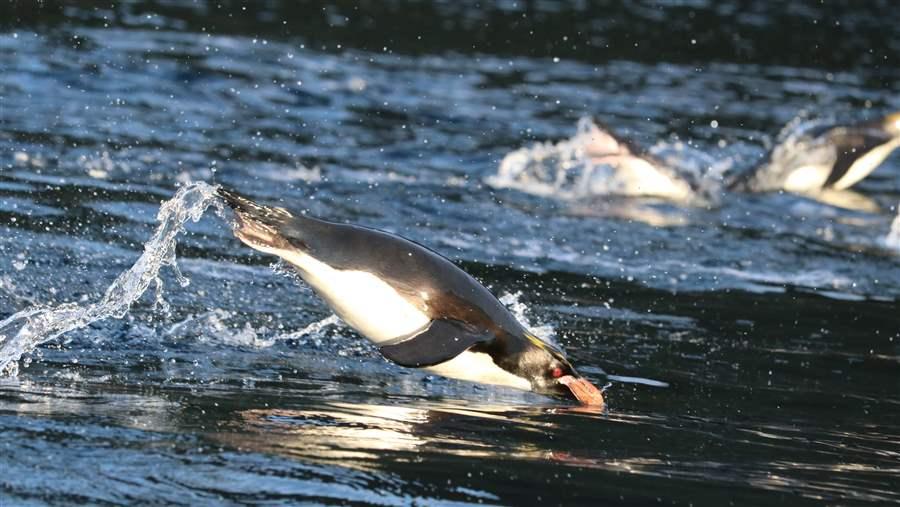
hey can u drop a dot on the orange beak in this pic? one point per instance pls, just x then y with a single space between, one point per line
586 393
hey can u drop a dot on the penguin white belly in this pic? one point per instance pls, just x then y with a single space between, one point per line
865 164
361 299
806 178
479 367
639 177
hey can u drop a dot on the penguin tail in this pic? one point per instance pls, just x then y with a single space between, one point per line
257 225
239 203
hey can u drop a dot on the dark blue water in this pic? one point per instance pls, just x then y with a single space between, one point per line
752 343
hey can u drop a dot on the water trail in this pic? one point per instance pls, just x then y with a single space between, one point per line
893 238
23 331
213 325
312 329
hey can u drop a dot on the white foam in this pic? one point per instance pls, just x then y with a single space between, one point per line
893 238
547 168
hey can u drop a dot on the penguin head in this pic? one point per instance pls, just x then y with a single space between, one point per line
550 373
891 124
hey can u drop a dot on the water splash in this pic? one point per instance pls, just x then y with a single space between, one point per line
893 238
313 329
520 310
546 168
797 145
214 326
705 172
23 331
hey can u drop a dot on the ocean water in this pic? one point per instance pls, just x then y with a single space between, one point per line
752 342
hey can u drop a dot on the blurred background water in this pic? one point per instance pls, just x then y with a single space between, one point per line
752 343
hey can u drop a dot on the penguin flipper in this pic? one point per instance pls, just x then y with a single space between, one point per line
850 149
841 166
441 341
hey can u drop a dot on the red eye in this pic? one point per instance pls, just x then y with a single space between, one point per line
556 372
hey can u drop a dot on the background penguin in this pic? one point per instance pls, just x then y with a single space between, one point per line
595 162
824 157
419 308
635 172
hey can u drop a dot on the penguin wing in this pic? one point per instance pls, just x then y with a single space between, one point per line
441 341
850 147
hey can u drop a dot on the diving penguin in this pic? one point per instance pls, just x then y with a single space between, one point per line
420 309
825 157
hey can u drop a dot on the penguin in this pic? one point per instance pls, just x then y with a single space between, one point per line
633 171
824 158
416 306
598 161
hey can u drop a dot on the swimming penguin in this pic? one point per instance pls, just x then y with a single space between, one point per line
595 162
633 171
824 157
420 309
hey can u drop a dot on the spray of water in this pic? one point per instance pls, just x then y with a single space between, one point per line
543 330
796 146
549 169
893 238
312 329
214 325
23 331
